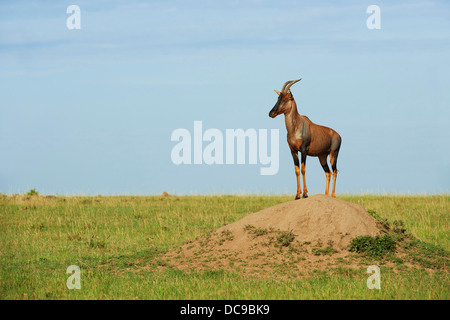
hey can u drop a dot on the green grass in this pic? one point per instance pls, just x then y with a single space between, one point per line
118 243
426 217
324 251
373 246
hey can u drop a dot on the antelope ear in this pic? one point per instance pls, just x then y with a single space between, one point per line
277 92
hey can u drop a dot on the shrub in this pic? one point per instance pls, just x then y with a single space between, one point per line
373 246
32 192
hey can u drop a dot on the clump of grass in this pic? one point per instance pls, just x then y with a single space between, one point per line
280 239
427 255
227 235
318 243
399 230
396 228
379 245
372 246
383 222
383 247
325 251
285 238
87 201
373 213
249 227
257 232
32 193
260 232
38 227
96 242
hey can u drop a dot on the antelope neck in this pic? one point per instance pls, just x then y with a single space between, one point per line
291 117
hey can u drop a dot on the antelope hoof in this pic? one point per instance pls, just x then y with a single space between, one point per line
297 197
305 196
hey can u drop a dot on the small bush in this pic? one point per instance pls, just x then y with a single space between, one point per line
32 192
373 246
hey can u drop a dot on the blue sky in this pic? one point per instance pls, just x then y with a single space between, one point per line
91 111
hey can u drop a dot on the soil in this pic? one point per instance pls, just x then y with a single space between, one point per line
285 240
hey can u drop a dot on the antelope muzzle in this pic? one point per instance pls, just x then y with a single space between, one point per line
274 112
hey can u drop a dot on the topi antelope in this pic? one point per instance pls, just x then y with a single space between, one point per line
307 137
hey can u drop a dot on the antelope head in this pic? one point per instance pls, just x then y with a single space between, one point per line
283 104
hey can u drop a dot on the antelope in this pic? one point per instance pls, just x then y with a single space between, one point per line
308 138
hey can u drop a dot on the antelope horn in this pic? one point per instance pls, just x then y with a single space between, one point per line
289 84
284 86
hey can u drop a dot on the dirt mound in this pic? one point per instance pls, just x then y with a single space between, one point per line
317 217
290 236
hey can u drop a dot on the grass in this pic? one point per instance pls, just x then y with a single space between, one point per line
112 238
283 238
373 246
426 217
324 251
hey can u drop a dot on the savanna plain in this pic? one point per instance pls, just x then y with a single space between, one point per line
120 243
